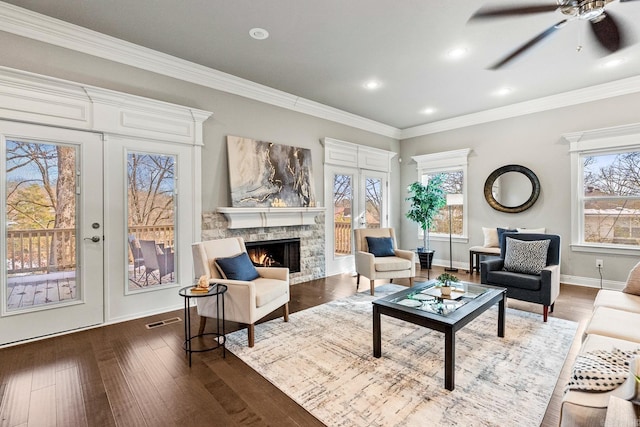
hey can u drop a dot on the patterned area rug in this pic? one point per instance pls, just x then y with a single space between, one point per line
323 360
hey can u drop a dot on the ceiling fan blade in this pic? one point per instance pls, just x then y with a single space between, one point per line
546 33
622 1
512 11
607 32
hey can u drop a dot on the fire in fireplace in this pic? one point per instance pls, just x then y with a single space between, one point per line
275 253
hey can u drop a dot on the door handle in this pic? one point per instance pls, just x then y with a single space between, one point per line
94 239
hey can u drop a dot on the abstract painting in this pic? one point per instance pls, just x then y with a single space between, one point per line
265 174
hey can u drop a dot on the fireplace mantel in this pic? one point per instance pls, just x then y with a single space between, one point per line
270 217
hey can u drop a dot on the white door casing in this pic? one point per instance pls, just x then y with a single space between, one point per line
86 308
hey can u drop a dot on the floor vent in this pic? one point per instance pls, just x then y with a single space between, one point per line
163 322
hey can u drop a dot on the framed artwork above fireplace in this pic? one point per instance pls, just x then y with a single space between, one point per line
266 174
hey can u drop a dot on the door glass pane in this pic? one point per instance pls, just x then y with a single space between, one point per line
373 201
151 220
41 218
342 213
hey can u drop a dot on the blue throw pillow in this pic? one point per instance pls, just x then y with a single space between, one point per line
237 267
381 246
501 231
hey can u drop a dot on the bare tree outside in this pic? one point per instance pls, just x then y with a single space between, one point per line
151 219
342 208
41 194
612 198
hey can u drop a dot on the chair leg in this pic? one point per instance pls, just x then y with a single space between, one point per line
371 284
357 281
411 282
286 312
551 308
545 312
203 322
390 280
251 334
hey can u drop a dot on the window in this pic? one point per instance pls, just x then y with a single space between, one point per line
151 197
611 198
605 190
453 184
452 165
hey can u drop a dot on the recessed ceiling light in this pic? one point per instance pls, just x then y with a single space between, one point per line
372 84
612 63
457 53
428 110
503 91
259 33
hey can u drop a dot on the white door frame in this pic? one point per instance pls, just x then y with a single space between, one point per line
359 161
88 308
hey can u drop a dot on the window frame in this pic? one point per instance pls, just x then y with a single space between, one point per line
444 162
614 140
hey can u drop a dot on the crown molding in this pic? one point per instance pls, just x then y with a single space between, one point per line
579 96
46 29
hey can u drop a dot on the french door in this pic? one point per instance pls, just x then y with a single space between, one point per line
51 184
356 198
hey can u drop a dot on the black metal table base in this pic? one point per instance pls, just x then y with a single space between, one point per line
219 337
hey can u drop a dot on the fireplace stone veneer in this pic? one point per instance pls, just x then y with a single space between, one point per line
312 241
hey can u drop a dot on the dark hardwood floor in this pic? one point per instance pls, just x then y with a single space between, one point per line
127 375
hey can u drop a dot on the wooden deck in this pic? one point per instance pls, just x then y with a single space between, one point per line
35 290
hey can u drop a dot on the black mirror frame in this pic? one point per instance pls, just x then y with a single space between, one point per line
488 187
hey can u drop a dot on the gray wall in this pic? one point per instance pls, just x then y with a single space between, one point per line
232 115
533 141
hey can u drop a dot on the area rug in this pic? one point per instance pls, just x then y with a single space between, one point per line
322 358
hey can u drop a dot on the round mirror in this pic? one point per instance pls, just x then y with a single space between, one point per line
512 189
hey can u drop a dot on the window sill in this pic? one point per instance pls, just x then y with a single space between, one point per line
602 249
445 238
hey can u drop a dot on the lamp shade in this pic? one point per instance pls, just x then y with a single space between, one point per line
455 199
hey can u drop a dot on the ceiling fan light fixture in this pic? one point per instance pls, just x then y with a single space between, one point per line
591 10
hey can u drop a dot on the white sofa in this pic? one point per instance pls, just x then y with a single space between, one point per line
614 324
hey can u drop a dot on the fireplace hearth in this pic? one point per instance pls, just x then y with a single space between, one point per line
275 253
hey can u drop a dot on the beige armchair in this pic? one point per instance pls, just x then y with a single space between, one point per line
245 301
401 265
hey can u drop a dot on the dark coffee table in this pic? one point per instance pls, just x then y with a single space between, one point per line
422 305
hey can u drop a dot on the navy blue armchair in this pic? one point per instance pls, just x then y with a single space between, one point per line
540 288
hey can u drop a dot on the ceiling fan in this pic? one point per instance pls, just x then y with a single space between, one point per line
602 24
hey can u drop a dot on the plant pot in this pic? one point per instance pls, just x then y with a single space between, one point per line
426 258
445 290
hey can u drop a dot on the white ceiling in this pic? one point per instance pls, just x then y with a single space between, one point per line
325 50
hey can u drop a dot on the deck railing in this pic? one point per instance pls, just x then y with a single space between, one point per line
342 237
31 251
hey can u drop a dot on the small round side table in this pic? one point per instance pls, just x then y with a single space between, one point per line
217 291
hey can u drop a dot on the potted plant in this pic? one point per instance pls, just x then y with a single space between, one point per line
426 202
446 283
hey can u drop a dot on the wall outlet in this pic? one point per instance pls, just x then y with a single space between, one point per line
599 263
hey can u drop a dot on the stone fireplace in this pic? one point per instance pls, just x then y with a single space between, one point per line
311 235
